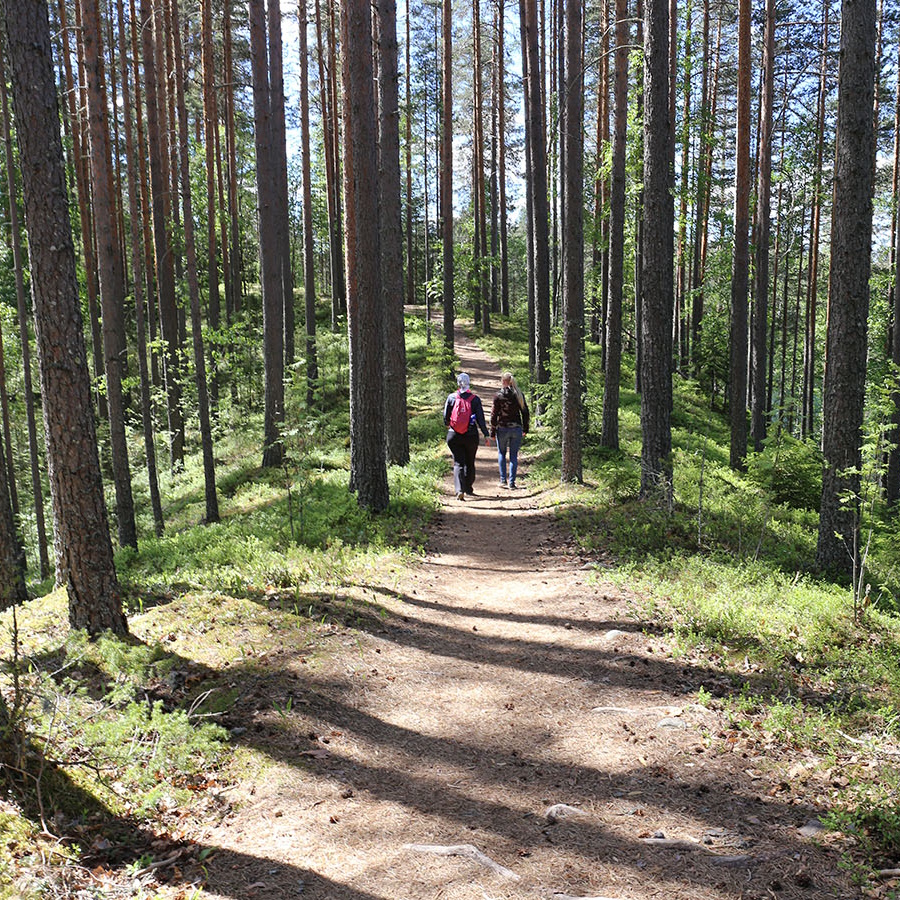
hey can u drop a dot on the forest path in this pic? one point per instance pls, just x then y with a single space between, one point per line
499 680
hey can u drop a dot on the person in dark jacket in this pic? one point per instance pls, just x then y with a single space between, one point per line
462 437
509 424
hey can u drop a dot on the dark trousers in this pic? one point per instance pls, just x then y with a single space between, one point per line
463 447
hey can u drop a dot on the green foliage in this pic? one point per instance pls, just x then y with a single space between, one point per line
790 470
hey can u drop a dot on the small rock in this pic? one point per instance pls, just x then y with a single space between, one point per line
812 828
671 722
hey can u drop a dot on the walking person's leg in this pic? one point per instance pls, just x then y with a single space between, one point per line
471 445
502 441
515 441
457 445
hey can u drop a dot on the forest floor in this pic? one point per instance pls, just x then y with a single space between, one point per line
502 724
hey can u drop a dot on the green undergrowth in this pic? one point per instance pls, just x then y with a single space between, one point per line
116 744
727 570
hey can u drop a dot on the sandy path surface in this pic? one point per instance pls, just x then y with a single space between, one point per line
500 679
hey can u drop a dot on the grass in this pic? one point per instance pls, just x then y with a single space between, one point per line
127 731
728 572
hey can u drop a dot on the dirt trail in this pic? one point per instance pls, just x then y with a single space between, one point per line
500 681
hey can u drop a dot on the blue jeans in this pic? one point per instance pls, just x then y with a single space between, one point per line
509 439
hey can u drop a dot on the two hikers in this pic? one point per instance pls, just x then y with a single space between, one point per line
464 417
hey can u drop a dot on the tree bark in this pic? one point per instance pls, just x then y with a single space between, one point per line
134 213
391 233
848 302
573 250
112 286
209 466
309 260
368 469
37 488
84 549
758 363
657 275
269 262
740 273
447 169
537 164
165 275
609 436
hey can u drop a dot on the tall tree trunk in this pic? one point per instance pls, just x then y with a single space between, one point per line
332 190
480 210
529 203
209 466
12 553
279 166
501 159
763 230
309 260
210 129
368 470
410 258
809 355
540 214
112 286
447 168
391 235
134 218
83 546
573 248
848 301
37 488
740 274
234 279
269 261
609 436
657 276
165 275
82 183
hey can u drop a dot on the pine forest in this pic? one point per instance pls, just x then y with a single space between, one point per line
246 248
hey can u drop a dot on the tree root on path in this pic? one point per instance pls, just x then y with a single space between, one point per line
467 851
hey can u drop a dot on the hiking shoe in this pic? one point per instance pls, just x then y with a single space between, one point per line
460 496
512 485
470 492
502 484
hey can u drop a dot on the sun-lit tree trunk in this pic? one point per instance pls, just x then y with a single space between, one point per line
165 275
134 218
537 165
206 441
309 259
763 231
529 201
269 245
740 272
478 153
573 249
332 190
657 290
410 257
682 310
447 168
235 297
279 167
210 131
368 475
82 183
84 556
609 435
501 159
848 297
112 285
812 291
37 488
391 234
12 553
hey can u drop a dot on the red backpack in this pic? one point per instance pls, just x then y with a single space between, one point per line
461 414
